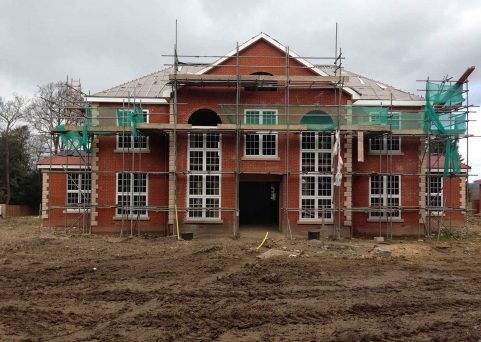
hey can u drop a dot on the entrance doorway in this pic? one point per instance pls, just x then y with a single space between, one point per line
259 203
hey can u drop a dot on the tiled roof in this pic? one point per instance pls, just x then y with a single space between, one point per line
369 89
152 85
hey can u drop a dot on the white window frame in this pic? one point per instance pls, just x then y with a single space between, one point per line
131 194
132 139
79 190
204 173
437 193
262 134
262 113
318 217
384 198
385 146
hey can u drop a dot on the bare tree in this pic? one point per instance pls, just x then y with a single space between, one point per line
11 112
55 104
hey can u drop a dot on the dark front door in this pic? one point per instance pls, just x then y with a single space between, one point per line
259 202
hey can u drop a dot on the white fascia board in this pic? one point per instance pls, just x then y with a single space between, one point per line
106 99
354 94
272 41
396 103
62 167
463 170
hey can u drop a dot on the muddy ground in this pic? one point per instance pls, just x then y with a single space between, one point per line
96 288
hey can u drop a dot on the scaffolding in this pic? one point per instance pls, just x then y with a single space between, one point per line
443 121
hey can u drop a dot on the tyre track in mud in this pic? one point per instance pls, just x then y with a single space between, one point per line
210 290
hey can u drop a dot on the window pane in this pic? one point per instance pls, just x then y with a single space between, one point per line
377 187
324 186
269 145
252 145
307 208
123 182
212 140
196 160
212 205
140 182
72 198
195 185
393 185
393 143
325 141
212 163
123 204
72 181
376 143
393 202
324 161
196 140
308 141
323 205
195 207
269 117
86 181
140 141
212 185
308 161
140 203
252 117
308 186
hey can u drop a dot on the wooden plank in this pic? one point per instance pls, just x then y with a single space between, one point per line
360 146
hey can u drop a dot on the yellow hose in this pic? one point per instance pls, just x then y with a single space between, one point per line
265 238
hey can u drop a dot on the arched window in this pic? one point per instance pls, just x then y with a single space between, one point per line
204 117
263 86
317 120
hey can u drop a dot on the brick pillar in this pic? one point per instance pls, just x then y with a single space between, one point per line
94 168
462 193
171 215
348 181
423 162
45 188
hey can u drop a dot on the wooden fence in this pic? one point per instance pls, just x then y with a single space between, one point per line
12 210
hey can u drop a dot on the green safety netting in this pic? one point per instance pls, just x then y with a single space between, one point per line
441 117
129 117
76 140
318 120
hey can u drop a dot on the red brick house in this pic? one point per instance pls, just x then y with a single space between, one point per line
250 140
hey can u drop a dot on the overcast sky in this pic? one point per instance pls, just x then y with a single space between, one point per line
105 43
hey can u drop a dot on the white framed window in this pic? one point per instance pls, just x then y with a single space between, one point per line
261 144
385 195
126 140
434 192
384 144
204 179
316 188
132 197
79 189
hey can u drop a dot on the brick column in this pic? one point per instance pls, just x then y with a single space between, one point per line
45 188
462 193
348 181
423 162
171 216
94 168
